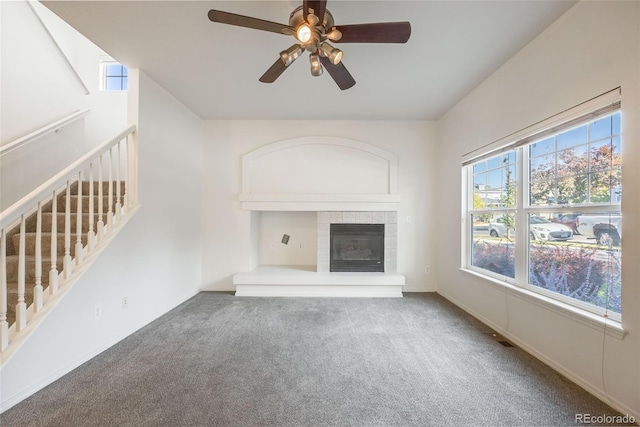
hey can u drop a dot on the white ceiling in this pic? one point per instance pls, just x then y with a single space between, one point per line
214 68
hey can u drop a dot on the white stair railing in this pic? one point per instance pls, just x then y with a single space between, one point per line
24 239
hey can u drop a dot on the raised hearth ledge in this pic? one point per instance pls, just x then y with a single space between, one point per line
320 202
304 281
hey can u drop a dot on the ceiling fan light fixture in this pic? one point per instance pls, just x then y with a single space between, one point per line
303 33
334 55
312 20
334 35
291 54
316 66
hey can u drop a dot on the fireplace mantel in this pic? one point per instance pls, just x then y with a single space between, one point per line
320 202
319 174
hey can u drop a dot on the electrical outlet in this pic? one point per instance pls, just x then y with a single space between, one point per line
427 270
300 245
273 246
125 302
98 312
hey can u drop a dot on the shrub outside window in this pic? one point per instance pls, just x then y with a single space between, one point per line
545 215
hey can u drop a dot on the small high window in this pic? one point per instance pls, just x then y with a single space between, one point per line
113 76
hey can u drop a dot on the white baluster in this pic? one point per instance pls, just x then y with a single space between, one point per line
132 168
67 265
4 326
110 197
91 235
126 204
53 273
100 201
21 306
37 290
79 250
118 191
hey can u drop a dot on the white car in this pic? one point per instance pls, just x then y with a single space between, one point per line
539 229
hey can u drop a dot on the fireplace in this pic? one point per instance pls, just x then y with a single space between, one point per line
357 247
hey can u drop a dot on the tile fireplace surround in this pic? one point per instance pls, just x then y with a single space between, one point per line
389 219
317 280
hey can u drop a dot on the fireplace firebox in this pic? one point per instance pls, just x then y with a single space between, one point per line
357 247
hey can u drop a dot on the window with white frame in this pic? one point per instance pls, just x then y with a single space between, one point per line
113 76
544 212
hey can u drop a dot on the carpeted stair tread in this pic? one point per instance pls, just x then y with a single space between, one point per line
30 262
30 242
47 221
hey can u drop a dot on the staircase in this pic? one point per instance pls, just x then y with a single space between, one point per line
13 239
52 235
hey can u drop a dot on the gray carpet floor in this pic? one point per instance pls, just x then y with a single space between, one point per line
220 360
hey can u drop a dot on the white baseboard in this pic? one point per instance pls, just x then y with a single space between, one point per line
568 373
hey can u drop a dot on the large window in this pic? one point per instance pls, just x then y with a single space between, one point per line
544 213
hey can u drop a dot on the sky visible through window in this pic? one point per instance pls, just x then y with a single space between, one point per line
555 155
115 76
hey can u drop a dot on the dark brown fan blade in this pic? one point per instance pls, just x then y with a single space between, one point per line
382 32
339 73
246 21
273 72
317 8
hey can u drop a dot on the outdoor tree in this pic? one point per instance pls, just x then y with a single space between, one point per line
478 203
577 176
508 200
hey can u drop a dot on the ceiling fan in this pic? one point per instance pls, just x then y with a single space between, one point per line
313 26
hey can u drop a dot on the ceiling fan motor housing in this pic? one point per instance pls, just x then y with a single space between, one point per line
318 31
297 17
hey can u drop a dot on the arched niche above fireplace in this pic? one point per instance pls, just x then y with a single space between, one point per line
320 173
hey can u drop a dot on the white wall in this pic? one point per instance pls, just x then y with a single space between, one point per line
37 87
591 49
227 245
155 261
33 74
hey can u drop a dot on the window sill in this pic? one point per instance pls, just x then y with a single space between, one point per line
609 326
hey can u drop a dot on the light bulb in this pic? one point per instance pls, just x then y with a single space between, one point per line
303 33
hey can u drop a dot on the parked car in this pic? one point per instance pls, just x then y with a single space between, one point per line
539 229
570 220
606 228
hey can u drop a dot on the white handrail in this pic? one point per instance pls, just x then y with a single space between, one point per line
15 210
17 222
45 130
